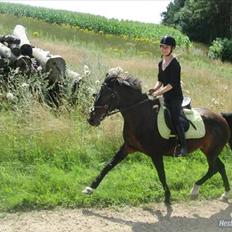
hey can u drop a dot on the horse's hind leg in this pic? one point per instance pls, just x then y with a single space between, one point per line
213 169
222 171
215 165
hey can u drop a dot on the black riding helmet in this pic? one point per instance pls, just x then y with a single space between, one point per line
168 40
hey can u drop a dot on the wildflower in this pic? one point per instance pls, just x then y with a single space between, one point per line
25 85
39 68
35 34
214 101
10 96
86 70
226 87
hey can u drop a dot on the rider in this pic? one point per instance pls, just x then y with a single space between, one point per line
169 85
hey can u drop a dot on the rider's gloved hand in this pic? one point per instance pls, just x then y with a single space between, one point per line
151 91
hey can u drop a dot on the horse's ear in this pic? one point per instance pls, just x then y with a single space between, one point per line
126 83
123 82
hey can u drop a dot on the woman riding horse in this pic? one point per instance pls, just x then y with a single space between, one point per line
121 92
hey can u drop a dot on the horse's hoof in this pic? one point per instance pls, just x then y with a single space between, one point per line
88 190
225 196
167 202
195 192
194 197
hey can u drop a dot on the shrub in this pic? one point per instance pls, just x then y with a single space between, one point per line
215 50
227 50
221 49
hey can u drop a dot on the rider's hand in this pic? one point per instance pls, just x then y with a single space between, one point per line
151 91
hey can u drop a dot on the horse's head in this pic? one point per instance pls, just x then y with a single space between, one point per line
111 96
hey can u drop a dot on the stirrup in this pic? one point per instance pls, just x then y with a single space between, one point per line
180 151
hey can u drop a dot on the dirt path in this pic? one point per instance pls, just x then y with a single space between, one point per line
197 216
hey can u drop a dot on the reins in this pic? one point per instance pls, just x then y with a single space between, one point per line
127 108
120 109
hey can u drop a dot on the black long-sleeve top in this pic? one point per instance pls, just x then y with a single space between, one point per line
171 75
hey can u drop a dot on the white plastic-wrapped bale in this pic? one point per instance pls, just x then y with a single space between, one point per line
25 45
6 52
52 64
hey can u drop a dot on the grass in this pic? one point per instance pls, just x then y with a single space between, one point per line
47 158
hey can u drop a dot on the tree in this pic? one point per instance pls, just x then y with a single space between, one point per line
201 20
169 17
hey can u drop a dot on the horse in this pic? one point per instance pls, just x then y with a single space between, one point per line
122 92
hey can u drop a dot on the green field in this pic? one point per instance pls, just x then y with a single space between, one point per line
47 158
145 32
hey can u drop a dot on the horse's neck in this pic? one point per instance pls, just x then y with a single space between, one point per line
130 100
136 110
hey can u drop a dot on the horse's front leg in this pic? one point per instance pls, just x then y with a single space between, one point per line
118 157
159 165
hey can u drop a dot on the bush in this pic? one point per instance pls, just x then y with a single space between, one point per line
221 49
215 50
227 50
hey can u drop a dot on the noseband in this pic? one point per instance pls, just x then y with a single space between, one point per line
114 95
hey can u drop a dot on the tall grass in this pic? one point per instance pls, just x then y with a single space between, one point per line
47 157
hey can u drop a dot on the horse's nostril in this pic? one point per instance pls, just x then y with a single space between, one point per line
89 120
93 122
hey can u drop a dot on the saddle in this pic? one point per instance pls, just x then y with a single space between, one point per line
185 123
190 119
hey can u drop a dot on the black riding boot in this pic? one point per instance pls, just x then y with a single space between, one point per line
183 146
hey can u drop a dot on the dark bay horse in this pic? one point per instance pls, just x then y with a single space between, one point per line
121 91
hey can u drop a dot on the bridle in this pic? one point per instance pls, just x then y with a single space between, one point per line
115 95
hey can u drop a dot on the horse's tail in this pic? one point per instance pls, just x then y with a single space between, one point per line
228 118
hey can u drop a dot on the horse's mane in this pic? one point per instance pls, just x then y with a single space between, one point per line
123 78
